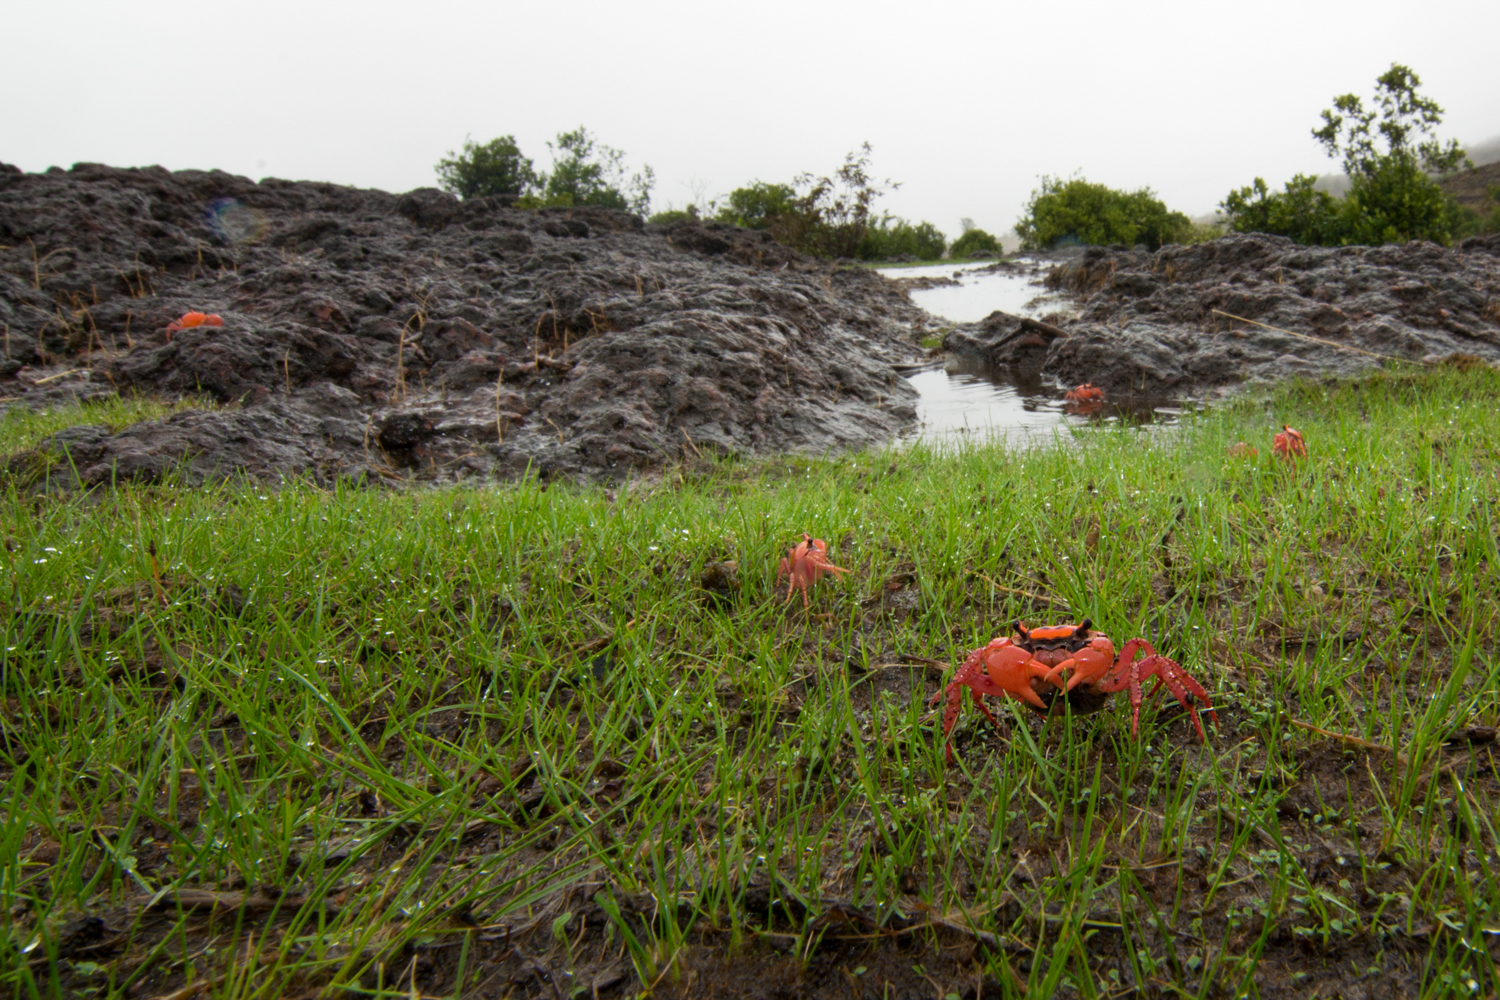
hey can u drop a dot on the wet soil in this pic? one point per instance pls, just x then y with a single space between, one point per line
1200 320
419 337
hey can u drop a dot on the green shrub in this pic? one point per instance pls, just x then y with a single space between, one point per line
889 238
1075 211
671 215
497 167
587 172
1299 213
830 215
1390 152
756 206
971 242
584 172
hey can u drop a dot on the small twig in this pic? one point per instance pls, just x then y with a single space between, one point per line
50 378
690 442
499 424
1315 340
1340 736
161 591
1021 593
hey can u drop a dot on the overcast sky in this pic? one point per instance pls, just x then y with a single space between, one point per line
965 103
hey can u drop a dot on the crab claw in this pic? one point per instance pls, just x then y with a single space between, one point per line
1000 669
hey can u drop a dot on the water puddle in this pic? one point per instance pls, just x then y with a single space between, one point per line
970 292
963 399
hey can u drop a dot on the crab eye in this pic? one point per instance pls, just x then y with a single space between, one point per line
1021 630
1083 630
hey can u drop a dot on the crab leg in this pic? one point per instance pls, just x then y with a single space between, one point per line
1129 673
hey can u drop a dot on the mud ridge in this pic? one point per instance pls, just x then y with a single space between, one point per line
1193 321
417 337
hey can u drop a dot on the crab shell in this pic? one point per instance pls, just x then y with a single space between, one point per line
1092 652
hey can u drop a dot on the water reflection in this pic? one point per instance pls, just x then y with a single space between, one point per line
965 399
976 291
971 400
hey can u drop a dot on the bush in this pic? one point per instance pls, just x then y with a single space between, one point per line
973 241
890 238
497 167
1390 152
756 206
832 214
587 172
1075 211
1299 213
671 215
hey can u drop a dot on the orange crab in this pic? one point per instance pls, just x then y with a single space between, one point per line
1289 444
1072 664
804 565
192 319
1084 401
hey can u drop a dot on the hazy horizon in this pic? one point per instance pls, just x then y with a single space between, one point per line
966 104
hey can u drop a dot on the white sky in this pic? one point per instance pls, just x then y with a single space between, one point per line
965 103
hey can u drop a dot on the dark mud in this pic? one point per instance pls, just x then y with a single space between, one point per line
419 337
1183 321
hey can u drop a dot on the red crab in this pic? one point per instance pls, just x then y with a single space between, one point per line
1289 444
1075 662
191 319
805 563
1086 393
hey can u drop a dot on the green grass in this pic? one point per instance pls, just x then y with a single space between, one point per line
22 427
482 740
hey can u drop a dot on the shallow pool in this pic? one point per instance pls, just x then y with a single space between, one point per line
979 292
961 399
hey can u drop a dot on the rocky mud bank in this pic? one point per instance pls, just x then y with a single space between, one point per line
1183 321
417 337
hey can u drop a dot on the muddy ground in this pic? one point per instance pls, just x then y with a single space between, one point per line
379 337
416 336
1195 321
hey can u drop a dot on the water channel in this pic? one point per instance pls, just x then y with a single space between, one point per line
961 400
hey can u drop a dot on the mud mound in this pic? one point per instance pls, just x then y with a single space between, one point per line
417 336
1159 323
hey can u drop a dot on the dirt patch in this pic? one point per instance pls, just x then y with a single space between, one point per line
417 336
1192 320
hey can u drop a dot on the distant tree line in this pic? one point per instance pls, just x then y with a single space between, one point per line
1388 148
826 216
